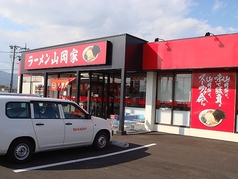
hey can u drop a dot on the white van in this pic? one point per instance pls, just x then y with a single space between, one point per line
34 124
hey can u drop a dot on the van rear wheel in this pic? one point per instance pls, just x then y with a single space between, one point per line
20 151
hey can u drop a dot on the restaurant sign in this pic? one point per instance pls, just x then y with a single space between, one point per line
213 101
68 56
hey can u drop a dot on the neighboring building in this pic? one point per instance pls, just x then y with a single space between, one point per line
185 86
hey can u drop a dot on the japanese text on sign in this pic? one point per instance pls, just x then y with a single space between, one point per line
219 83
47 59
67 56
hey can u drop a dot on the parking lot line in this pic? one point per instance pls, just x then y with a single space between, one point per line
80 160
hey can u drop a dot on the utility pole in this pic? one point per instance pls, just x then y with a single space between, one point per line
14 47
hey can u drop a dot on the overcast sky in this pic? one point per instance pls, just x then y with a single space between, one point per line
42 23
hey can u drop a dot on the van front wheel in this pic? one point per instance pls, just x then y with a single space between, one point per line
20 151
101 141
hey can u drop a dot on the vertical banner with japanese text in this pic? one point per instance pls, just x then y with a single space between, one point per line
213 101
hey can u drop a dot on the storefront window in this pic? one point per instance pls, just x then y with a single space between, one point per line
97 95
182 96
84 91
182 92
61 86
114 94
33 84
135 90
173 99
164 98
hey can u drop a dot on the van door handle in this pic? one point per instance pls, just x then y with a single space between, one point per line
68 123
39 124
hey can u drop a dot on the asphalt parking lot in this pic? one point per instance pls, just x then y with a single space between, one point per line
148 155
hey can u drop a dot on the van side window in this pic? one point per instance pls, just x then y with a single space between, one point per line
18 110
72 111
46 110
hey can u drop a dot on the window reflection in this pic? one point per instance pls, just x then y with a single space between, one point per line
182 92
173 99
164 91
135 90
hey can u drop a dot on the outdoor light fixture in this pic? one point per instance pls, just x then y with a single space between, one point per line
156 39
215 38
162 40
211 34
159 39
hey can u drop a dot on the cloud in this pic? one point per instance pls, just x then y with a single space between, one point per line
64 21
217 5
46 23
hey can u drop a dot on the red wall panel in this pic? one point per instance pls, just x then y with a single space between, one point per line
195 53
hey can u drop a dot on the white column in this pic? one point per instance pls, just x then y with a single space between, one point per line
150 100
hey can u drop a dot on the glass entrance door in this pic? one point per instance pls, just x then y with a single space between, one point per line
97 99
99 95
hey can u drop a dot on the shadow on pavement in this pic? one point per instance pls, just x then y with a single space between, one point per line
45 158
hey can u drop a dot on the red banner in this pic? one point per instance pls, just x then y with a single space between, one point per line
77 55
59 84
213 103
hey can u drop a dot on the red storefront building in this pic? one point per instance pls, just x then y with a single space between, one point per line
185 86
